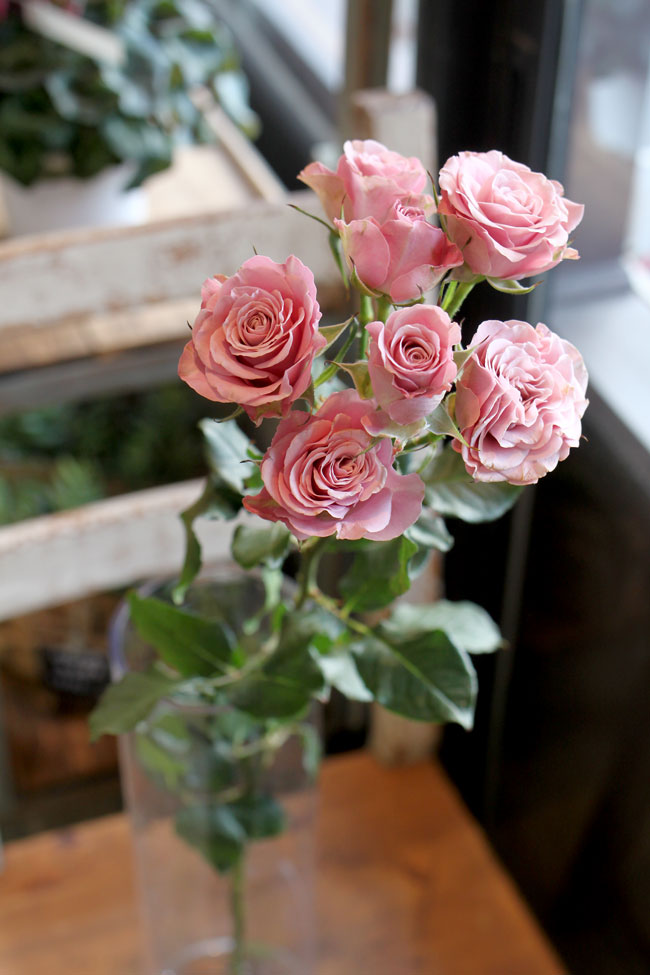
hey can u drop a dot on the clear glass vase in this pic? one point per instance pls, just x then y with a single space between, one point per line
214 903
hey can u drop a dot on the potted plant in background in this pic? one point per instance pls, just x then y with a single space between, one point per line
95 94
385 424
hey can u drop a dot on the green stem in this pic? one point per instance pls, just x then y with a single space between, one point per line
307 576
447 291
238 910
384 306
341 613
458 296
366 310
425 441
366 315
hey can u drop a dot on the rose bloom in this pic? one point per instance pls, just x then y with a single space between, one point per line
255 337
402 257
508 221
323 475
369 179
519 402
411 361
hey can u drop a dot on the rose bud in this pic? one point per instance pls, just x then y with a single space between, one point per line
403 257
369 179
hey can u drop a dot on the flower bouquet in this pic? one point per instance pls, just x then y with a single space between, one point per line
386 424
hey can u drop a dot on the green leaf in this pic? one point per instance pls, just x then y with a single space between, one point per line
259 816
441 422
213 503
335 248
378 574
412 461
272 609
271 695
340 672
312 216
309 396
159 761
214 831
360 377
511 287
190 644
466 624
219 831
311 626
227 448
209 771
460 357
312 749
332 332
360 286
252 545
404 432
451 491
137 139
426 677
430 531
171 731
290 676
125 704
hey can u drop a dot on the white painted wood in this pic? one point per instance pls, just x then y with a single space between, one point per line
34 346
82 272
200 179
405 123
105 545
251 167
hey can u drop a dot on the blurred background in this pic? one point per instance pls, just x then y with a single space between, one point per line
557 769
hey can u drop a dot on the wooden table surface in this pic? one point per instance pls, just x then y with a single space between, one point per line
407 885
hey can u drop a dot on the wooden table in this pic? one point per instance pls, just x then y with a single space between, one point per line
406 886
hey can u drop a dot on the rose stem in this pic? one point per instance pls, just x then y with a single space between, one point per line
458 298
238 910
366 315
309 567
384 306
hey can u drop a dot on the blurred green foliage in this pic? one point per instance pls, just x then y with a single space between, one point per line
63 456
64 113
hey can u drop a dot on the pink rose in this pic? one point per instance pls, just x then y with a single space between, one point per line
508 221
323 475
402 257
519 402
255 337
411 361
369 178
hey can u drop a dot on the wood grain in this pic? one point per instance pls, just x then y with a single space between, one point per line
104 545
94 272
406 885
